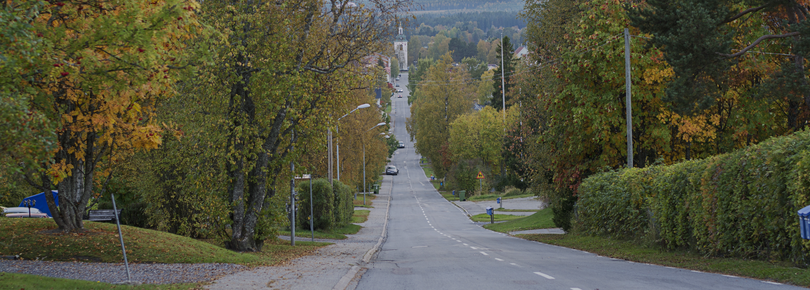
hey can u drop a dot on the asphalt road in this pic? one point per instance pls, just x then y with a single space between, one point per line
431 244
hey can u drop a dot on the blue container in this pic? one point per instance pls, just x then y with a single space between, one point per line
454 193
499 200
804 222
40 202
489 210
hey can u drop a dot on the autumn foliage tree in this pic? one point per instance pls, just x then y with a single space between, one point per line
279 67
102 65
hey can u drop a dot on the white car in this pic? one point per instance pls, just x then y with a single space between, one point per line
22 212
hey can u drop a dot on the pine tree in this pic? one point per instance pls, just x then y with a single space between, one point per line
507 69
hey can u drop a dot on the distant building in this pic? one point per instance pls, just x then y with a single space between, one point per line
401 50
521 52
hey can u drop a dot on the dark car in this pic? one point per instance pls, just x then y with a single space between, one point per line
391 170
397 85
401 144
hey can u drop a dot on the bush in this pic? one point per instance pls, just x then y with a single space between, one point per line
343 204
323 206
514 192
740 204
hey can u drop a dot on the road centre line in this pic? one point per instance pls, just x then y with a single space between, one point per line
513 264
544 275
485 254
498 259
575 289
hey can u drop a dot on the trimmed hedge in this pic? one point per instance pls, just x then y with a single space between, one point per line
344 208
324 204
740 204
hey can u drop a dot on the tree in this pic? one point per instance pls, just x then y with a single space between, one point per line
281 67
101 70
414 46
507 70
445 93
702 40
394 67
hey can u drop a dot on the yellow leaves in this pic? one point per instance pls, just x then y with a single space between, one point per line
697 128
655 75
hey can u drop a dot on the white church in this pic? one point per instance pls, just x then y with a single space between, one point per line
401 50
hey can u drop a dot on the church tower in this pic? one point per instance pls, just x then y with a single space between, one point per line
401 50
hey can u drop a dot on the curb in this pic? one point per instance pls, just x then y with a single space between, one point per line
344 281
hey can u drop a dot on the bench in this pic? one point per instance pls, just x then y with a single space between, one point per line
102 215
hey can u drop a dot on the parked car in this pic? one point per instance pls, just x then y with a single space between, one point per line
19 212
27 215
391 170
399 96
397 85
401 144
399 90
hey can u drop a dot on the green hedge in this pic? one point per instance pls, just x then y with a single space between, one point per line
741 204
343 204
323 206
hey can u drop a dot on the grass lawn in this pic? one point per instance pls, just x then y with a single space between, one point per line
31 239
782 272
539 220
26 281
498 217
99 243
360 216
336 234
358 202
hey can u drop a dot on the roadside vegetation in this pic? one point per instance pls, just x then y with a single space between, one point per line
32 239
334 234
26 281
498 217
782 272
538 220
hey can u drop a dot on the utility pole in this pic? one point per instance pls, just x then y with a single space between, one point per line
628 83
292 191
503 85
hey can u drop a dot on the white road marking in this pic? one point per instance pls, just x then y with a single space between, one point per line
693 271
544 275
499 260
466 244
513 264
474 248
729 276
772 283
485 254
575 289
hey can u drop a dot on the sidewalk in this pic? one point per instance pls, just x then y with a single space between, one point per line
333 267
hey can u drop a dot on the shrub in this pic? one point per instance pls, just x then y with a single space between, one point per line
343 204
323 205
740 204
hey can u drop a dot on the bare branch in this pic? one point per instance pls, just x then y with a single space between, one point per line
756 42
744 12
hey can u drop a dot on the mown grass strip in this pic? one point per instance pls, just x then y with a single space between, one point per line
498 217
26 281
31 239
538 220
360 216
782 272
336 234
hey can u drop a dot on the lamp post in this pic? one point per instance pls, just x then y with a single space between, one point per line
364 162
337 147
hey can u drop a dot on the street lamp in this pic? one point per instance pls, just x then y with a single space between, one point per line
363 106
364 162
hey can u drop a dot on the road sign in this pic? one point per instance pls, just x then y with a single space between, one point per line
480 175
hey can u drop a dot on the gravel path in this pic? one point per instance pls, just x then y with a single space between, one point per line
116 273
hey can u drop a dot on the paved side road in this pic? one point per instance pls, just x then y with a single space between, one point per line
337 266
